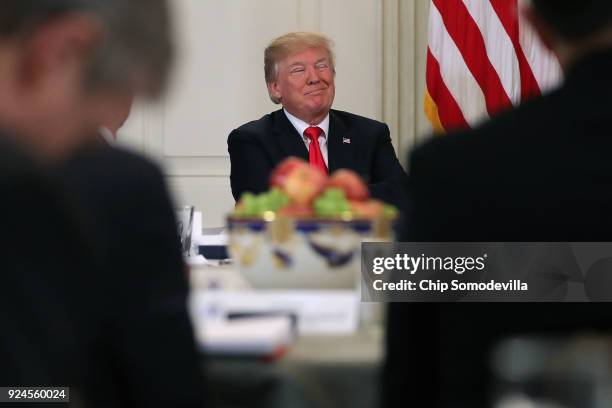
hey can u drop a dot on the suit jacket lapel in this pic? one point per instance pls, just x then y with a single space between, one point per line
290 142
340 154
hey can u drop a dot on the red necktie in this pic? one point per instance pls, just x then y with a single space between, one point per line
314 155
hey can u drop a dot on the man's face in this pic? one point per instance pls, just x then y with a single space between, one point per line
44 100
305 84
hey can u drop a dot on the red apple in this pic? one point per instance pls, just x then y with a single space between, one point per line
352 185
296 211
367 209
280 172
303 184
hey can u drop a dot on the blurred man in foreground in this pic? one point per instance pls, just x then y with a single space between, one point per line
300 72
539 173
63 65
45 295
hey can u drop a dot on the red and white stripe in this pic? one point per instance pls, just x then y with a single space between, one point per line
482 58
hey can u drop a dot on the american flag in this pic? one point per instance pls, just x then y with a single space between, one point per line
482 58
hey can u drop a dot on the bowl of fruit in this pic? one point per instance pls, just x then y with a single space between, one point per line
306 230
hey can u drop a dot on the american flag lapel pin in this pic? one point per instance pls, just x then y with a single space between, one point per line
346 140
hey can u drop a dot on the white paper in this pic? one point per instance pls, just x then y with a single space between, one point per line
196 229
326 312
196 260
214 239
253 336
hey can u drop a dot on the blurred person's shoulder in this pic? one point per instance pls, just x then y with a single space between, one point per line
112 167
25 183
495 145
15 162
33 196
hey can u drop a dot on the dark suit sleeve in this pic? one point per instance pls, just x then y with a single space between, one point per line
250 167
388 180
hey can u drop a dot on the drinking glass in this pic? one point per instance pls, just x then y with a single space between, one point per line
184 225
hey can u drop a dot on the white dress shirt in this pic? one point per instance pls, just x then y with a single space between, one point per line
107 135
301 126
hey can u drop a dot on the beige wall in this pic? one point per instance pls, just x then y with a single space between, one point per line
218 82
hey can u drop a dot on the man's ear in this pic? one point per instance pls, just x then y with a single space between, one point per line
56 44
273 91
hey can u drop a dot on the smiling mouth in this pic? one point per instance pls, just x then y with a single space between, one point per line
318 91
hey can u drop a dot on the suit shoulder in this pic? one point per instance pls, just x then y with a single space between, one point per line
24 182
508 128
493 145
15 163
255 128
351 119
113 169
126 163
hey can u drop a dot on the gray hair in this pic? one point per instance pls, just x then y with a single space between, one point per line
285 45
136 49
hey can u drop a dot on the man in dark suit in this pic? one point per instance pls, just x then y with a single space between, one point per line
538 173
64 64
48 263
299 72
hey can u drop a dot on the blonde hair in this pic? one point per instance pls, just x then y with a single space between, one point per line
285 45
